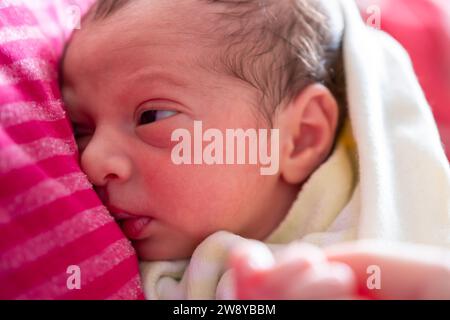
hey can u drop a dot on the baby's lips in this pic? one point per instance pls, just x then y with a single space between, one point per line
120 214
134 228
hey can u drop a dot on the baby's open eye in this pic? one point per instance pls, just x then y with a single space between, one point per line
150 116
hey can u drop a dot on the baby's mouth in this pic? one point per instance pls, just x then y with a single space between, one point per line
122 216
134 228
132 225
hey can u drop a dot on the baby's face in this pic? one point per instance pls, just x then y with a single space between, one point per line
129 82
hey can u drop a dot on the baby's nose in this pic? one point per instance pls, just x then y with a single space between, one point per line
104 161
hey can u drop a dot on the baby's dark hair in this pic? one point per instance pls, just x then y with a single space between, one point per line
277 46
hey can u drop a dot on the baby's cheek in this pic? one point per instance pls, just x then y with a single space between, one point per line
158 137
159 134
199 199
204 198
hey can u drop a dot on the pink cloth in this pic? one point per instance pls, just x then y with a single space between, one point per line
50 218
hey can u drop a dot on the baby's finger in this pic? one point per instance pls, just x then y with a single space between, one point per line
291 262
250 263
428 269
300 256
252 256
259 277
325 281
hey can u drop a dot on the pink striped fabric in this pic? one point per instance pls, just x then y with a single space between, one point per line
50 218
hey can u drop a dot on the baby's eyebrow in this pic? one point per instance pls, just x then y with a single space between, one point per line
151 79
149 76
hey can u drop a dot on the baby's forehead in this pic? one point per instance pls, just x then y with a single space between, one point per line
130 40
185 22
186 13
141 22
188 25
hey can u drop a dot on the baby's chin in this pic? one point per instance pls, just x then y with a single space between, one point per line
150 250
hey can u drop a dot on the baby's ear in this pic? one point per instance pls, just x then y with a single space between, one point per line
307 131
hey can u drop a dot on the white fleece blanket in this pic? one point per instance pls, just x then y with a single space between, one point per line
396 187
404 184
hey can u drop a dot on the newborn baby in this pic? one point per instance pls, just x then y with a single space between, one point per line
138 71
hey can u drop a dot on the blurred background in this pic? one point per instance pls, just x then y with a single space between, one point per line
423 28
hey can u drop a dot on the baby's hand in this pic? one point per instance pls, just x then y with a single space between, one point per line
300 271
406 271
